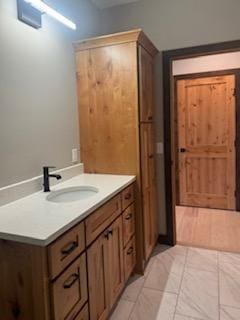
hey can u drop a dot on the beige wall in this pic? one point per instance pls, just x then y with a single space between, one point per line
173 24
38 106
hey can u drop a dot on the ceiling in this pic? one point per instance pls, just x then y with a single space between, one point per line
101 4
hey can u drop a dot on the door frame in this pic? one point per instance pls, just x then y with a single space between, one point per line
169 128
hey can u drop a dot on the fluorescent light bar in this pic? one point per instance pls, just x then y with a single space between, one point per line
44 8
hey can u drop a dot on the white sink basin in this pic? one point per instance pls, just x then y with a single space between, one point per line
72 194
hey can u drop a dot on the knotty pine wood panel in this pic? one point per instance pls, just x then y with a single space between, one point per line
24 288
207 130
146 85
98 279
116 270
108 109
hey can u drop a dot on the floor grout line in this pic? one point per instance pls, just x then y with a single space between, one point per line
180 285
145 277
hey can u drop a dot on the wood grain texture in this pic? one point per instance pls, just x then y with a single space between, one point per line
148 187
108 109
97 222
84 314
207 131
146 85
24 289
127 196
98 279
129 258
128 224
69 291
108 74
208 228
65 249
118 38
116 271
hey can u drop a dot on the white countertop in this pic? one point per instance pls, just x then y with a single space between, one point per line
34 220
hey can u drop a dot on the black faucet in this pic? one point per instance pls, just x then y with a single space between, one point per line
46 177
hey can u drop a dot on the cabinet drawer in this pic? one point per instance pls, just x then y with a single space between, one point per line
128 223
97 222
127 196
65 249
129 258
69 291
84 314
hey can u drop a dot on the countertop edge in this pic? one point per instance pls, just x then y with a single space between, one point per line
65 228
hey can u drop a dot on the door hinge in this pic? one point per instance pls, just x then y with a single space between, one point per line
235 92
235 193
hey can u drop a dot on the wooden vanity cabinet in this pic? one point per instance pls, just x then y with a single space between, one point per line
72 278
110 261
115 83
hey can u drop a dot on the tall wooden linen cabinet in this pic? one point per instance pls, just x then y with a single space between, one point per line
116 114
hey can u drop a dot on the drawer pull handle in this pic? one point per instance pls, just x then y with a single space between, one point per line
70 281
129 216
70 248
151 156
130 251
150 118
128 196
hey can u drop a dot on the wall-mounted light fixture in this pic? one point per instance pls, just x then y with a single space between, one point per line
30 12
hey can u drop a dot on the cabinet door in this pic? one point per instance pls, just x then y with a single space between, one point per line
116 271
69 291
146 85
148 187
98 278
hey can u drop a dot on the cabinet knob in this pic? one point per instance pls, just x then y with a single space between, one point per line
129 216
128 196
130 251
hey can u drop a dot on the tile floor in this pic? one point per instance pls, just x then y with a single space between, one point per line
183 283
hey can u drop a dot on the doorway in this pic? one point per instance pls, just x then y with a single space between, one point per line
201 163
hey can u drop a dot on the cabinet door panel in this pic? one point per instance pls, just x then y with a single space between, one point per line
148 187
98 279
108 108
69 291
116 272
146 85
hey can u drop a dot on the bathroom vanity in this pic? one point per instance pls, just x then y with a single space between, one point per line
75 264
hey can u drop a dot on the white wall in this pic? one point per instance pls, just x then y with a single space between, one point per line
216 62
38 104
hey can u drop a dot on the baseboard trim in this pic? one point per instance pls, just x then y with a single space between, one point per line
164 239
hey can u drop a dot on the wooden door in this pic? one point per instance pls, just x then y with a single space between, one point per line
206 141
98 278
148 187
116 271
145 85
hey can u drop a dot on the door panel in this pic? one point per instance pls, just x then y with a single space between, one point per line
116 271
146 85
98 279
148 187
206 141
